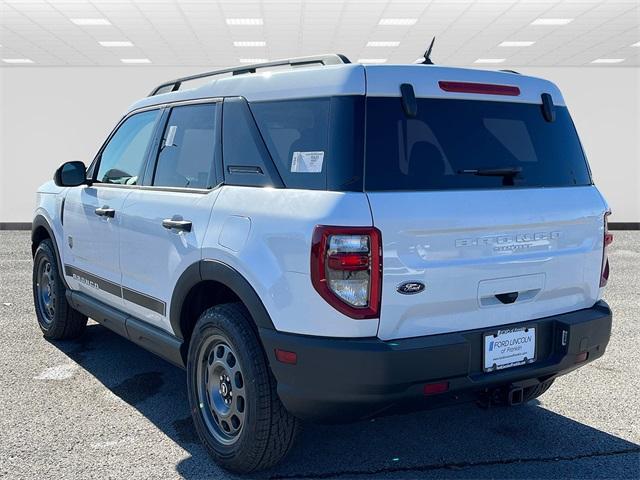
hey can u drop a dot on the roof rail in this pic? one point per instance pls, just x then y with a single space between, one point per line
329 59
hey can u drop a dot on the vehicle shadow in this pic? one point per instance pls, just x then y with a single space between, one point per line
451 439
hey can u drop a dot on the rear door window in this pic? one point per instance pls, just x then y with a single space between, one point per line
470 144
187 148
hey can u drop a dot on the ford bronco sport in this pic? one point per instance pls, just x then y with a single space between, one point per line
333 241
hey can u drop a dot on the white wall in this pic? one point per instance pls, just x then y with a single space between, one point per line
605 106
55 114
50 115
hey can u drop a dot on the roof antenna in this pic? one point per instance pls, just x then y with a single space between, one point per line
427 54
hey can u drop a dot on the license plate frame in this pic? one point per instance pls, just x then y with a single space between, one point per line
509 347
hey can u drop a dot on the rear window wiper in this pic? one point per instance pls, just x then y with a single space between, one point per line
493 172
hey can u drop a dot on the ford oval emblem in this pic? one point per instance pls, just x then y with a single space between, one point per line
410 288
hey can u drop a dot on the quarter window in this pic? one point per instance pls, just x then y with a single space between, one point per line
187 148
296 133
122 160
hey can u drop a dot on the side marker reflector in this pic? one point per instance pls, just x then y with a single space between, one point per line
283 356
435 388
582 357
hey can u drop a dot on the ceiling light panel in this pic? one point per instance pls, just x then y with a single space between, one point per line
383 44
248 22
252 43
398 21
552 21
490 60
17 60
86 22
516 43
117 43
608 60
135 60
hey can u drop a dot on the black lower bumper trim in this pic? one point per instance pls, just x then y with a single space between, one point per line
348 379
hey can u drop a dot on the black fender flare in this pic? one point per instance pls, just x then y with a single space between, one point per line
41 222
228 276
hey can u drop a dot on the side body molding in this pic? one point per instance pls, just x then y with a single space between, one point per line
214 270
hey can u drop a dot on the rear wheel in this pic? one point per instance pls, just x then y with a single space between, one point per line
232 393
56 318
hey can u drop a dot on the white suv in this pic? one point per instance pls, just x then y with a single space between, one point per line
333 241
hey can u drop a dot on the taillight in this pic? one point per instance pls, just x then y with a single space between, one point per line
608 239
346 269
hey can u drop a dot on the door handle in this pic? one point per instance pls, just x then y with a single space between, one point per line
182 225
105 212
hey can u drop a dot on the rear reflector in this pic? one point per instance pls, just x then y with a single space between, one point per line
286 357
480 88
608 240
435 388
582 357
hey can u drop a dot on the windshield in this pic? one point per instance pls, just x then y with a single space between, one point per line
470 144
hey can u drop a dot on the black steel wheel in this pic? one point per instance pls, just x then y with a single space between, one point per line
232 393
45 290
221 389
56 318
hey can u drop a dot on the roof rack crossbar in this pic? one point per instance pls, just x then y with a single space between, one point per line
330 59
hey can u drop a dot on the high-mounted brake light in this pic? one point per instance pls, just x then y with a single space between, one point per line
346 265
607 240
480 88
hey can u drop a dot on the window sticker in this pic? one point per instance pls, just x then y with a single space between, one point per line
171 134
307 162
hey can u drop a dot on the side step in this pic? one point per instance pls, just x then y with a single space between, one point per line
142 333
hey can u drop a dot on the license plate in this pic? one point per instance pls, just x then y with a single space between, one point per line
509 348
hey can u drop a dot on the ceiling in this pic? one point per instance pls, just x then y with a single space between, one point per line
197 32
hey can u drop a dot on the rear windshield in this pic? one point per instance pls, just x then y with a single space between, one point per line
470 144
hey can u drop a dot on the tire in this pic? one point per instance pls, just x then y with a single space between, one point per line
56 318
532 393
232 393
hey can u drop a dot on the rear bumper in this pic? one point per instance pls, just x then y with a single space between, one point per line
347 379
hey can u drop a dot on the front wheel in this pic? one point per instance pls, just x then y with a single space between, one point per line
57 319
232 393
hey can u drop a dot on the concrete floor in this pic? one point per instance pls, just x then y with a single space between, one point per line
104 408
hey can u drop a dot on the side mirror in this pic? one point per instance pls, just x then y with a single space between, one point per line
71 174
